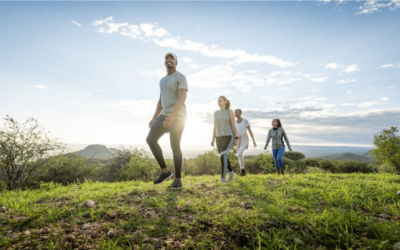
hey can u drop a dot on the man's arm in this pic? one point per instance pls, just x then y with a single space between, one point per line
157 113
181 100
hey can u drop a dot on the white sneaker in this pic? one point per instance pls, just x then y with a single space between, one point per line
231 175
223 180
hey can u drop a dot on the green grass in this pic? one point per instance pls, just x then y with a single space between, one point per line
305 211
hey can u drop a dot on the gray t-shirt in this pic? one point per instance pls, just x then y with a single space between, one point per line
169 86
222 123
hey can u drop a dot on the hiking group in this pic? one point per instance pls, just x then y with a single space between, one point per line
170 117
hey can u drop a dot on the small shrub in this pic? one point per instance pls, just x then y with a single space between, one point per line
311 162
328 166
353 167
65 169
295 156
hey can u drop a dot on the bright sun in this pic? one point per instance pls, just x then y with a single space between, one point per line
196 132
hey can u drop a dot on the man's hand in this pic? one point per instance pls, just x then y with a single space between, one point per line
212 143
290 150
151 122
255 144
265 148
169 121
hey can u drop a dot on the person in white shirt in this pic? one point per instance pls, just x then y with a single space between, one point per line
242 125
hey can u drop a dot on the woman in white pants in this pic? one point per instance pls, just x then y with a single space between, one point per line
242 125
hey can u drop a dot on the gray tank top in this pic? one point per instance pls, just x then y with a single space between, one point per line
222 123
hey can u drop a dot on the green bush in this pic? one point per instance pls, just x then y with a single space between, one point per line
112 169
295 156
141 166
328 166
65 169
353 167
267 163
311 162
291 166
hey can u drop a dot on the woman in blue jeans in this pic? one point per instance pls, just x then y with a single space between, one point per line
277 133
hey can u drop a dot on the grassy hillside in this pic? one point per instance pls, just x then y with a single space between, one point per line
97 151
312 211
347 156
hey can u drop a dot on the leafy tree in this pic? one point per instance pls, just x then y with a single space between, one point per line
24 149
388 147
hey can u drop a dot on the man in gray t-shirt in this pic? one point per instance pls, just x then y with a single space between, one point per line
169 117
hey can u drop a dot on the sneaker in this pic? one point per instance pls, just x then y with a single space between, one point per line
243 172
223 180
163 177
176 184
231 175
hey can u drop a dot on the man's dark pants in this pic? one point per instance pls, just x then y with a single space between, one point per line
175 134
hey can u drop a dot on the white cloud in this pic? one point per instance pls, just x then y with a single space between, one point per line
381 101
316 78
372 6
332 66
344 81
315 90
306 107
352 68
102 91
389 65
157 73
342 68
187 59
369 6
348 92
40 86
227 74
136 108
76 23
160 36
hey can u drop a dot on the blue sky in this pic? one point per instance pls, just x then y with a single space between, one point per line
90 71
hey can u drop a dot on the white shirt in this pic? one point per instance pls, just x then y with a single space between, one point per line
242 126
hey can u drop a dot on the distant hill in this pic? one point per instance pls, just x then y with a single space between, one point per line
97 151
349 156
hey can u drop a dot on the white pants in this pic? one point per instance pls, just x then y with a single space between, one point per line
241 147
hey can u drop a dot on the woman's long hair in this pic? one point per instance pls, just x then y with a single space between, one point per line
279 122
228 103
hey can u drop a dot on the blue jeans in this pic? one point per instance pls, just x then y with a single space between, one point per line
278 154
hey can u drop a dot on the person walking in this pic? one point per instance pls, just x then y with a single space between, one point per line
277 133
242 125
225 134
169 117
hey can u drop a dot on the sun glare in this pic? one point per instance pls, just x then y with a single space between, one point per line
196 131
